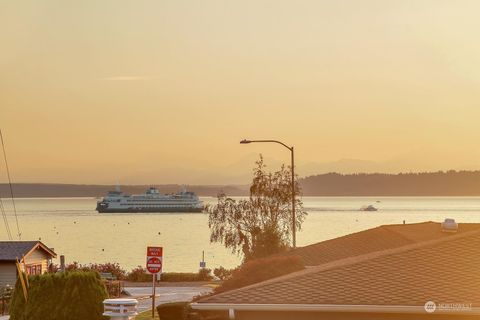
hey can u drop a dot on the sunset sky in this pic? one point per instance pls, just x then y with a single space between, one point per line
162 91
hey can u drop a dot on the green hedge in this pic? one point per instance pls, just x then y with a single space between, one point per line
139 274
202 275
75 295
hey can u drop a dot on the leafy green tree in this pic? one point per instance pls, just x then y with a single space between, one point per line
262 224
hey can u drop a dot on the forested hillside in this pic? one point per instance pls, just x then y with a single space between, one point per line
450 183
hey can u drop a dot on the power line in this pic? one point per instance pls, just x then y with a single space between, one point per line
5 220
11 187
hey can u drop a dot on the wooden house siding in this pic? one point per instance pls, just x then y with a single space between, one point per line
37 257
8 274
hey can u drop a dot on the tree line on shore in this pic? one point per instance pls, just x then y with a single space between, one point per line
441 183
48 190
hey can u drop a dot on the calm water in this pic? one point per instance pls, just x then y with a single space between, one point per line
73 228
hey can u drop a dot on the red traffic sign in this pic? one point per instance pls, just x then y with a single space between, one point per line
154 265
154 259
154 251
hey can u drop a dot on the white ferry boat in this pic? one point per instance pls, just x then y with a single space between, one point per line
150 201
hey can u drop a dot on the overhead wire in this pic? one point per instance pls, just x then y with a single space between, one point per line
5 220
19 234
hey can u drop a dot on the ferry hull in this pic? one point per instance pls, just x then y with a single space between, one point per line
152 210
150 201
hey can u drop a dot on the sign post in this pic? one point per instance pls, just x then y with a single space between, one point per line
154 266
203 265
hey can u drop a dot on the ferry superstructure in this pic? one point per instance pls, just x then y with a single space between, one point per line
151 201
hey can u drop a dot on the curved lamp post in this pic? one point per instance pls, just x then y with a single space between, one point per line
244 141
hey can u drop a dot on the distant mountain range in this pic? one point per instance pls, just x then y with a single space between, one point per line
450 183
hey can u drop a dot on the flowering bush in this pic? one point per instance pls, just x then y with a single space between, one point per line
113 268
139 275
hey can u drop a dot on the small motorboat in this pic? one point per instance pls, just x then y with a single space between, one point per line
368 208
449 225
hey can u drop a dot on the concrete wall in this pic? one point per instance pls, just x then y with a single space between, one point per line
8 274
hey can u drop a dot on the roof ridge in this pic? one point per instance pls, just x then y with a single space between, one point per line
380 227
18 241
332 239
391 228
353 260
398 234
407 224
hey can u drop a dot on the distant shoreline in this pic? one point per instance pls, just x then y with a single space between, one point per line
58 190
428 184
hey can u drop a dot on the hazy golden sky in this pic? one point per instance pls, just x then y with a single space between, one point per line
162 91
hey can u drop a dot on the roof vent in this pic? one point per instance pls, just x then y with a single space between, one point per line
449 225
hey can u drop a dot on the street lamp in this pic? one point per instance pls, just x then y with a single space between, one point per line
244 141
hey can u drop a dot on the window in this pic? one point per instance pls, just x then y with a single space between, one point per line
34 269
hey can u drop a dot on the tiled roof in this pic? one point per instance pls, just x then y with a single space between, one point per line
11 250
444 270
373 240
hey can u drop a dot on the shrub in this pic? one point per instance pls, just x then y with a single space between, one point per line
88 291
173 311
179 277
222 273
260 270
17 305
202 275
71 295
53 268
139 275
113 268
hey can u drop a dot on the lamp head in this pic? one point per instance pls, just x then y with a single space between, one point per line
245 141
